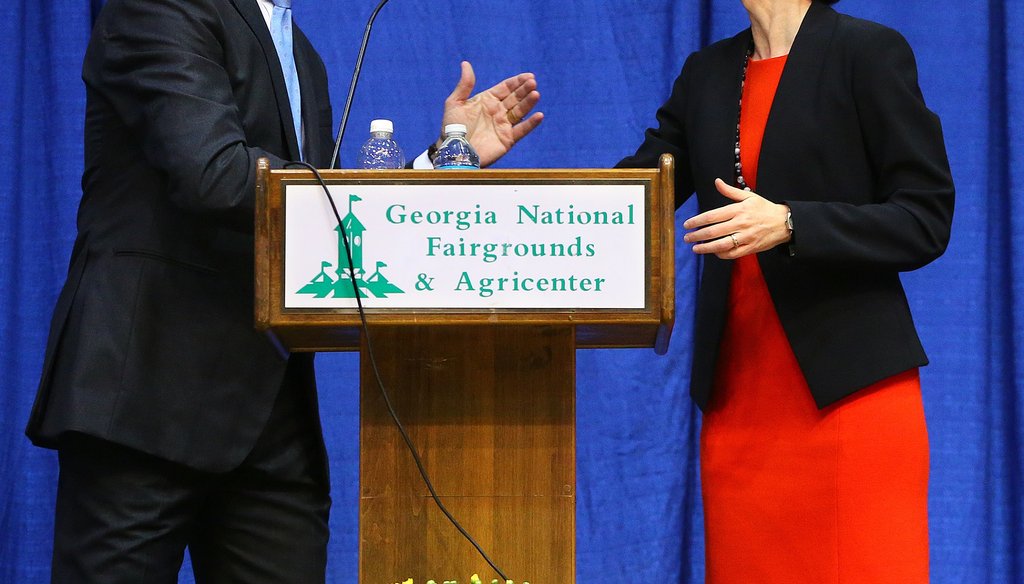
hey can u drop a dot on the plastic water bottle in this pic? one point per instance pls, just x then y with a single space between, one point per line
381 151
455 152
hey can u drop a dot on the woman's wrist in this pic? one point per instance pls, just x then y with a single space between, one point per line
787 223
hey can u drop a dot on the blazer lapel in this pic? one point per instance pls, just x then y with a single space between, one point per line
254 18
798 86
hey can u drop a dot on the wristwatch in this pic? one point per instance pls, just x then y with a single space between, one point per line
791 244
432 149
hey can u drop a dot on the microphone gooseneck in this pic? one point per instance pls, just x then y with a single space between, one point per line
352 86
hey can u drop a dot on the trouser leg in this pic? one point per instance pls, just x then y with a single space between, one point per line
266 522
126 517
121 516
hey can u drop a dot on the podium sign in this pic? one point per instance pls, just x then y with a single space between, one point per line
591 249
478 286
491 245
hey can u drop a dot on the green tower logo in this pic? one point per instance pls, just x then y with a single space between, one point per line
322 285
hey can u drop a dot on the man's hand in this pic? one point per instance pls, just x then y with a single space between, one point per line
496 118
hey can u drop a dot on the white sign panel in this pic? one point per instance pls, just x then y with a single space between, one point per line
466 246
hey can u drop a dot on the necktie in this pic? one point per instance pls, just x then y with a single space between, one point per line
281 32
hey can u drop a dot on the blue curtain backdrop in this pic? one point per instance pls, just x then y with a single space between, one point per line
604 67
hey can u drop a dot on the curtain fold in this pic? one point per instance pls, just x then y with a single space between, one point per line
604 67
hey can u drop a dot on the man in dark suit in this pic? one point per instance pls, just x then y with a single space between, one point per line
177 424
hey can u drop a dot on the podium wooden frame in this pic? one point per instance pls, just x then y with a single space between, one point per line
486 395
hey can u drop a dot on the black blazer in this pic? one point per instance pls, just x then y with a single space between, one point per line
152 343
851 147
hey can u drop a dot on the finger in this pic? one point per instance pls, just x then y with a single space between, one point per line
721 246
518 93
730 191
509 87
710 233
526 126
729 246
464 88
521 109
719 215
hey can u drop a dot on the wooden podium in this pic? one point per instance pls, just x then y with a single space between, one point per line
487 394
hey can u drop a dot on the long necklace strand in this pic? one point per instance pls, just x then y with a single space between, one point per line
741 182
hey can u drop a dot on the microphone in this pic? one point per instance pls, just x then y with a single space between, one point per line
352 86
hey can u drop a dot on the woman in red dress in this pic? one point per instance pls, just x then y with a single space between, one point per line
821 175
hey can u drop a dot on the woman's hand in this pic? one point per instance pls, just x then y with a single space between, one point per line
750 225
495 119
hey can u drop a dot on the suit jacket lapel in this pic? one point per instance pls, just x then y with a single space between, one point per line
254 18
800 83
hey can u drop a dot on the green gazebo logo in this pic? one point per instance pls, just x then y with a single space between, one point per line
322 285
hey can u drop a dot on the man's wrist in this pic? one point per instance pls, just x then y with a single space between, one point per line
432 151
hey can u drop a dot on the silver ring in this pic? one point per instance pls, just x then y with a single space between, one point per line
735 242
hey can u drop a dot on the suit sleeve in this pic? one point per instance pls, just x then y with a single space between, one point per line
908 224
669 137
160 66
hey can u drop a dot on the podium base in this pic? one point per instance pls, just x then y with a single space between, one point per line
491 410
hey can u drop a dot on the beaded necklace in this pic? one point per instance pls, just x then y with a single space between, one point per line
741 182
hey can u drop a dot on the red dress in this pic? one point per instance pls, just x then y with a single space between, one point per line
794 494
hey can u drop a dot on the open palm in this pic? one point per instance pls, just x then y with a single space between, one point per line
496 118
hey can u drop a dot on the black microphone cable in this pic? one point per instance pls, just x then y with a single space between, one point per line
380 382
